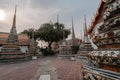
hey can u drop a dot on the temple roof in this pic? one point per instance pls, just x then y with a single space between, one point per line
96 17
20 36
23 39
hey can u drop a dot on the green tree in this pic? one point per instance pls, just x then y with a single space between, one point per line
52 33
48 32
74 49
29 33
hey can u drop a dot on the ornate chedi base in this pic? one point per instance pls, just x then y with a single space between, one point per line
92 73
105 62
105 34
85 48
106 59
11 52
64 52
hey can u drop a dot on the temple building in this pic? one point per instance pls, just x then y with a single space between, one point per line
23 41
105 34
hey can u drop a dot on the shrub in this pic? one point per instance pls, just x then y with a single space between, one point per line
74 49
46 52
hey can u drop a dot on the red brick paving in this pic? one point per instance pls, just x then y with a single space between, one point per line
19 71
66 69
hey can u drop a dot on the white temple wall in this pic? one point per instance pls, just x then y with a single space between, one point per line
24 49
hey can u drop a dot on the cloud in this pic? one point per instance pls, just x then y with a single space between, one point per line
33 13
45 4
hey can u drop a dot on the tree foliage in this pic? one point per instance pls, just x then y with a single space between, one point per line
49 32
29 33
52 33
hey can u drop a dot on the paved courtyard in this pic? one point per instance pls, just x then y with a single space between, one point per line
32 70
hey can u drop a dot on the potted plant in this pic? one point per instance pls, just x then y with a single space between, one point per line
74 49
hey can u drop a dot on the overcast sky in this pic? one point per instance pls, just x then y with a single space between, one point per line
33 13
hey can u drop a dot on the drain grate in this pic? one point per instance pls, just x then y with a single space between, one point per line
44 77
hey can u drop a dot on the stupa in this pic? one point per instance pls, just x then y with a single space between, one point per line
105 32
33 47
85 46
11 50
64 49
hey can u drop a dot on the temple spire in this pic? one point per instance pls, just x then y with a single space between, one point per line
85 30
13 37
85 26
14 19
73 33
81 34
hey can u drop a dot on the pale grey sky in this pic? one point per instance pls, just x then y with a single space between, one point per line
33 13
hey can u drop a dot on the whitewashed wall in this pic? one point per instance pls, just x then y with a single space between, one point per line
24 49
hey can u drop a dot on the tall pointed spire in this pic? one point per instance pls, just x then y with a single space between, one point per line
85 30
85 26
81 35
14 19
57 18
73 33
13 37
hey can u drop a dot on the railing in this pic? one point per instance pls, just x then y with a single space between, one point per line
93 73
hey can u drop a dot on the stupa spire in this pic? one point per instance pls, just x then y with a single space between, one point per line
73 33
14 19
85 30
57 18
85 26
81 35
13 37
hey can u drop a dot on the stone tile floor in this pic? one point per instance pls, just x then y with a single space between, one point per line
31 70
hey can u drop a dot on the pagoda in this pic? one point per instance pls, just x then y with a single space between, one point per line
33 46
64 51
64 48
85 46
11 50
105 34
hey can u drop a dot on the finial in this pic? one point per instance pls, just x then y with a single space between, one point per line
85 25
57 18
81 34
15 8
15 5
14 18
50 22
72 22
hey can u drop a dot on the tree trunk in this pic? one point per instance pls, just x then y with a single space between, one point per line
49 46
